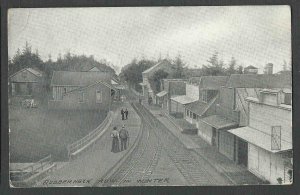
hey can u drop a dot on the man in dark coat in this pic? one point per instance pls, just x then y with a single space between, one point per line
122 113
124 136
126 114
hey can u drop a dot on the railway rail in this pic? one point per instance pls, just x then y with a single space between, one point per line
184 159
141 162
143 159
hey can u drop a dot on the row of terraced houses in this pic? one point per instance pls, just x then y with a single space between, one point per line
247 117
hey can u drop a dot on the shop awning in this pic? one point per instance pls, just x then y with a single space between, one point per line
161 94
119 86
183 99
219 122
259 139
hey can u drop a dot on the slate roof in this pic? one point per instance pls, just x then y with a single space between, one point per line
162 93
209 82
198 107
86 87
183 99
260 81
35 72
219 122
153 68
31 70
68 78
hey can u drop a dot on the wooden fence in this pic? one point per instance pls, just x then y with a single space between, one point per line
83 143
29 174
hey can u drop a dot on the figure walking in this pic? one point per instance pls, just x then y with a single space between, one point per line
126 114
115 140
124 136
122 113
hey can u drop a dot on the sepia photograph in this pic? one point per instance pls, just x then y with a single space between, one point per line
150 96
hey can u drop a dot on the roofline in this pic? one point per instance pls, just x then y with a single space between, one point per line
275 106
22 70
52 85
98 82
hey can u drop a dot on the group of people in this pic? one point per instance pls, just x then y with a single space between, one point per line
118 136
124 114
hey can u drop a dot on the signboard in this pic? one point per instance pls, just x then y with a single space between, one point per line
276 138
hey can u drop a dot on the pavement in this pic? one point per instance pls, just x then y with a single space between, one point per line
92 164
237 174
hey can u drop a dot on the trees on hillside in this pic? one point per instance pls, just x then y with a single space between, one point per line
215 67
132 72
25 59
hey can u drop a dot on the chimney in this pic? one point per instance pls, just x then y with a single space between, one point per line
268 68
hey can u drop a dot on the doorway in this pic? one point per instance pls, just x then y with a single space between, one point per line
214 136
242 152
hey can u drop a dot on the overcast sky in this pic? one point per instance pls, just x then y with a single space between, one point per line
254 35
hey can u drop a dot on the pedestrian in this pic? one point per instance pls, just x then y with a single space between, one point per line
122 113
115 140
126 114
124 136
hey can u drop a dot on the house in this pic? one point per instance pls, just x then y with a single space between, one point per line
170 88
202 89
250 70
26 82
81 90
268 69
232 111
268 136
148 92
209 89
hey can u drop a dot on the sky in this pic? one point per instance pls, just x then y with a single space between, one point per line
254 35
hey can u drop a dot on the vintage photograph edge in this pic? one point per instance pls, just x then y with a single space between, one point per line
5 189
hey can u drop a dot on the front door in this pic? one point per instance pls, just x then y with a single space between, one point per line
242 152
214 136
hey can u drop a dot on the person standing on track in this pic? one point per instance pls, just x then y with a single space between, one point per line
115 140
126 114
122 113
124 136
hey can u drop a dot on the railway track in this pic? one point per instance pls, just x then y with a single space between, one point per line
142 161
184 159
140 164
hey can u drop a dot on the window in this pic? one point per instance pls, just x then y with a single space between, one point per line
81 97
65 90
204 96
288 98
187 112
194 116
98 96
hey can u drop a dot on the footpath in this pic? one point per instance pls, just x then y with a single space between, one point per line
237 174
88 167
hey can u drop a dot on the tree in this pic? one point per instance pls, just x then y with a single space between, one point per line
231 69
132 72
156 78
214 66
25 59
178 67
284 66
240 69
